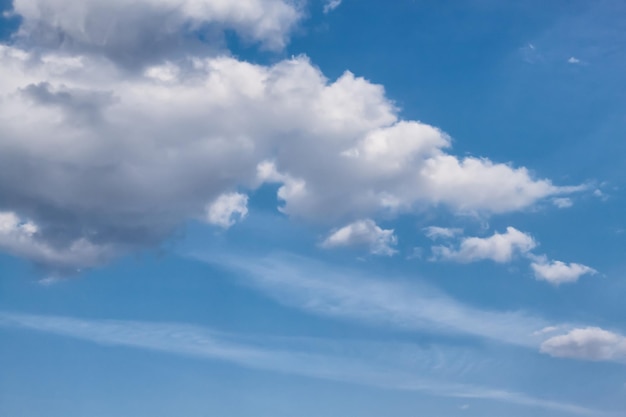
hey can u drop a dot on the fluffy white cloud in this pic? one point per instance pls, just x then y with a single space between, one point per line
122 158
148 28
590 343
436 232
557 272
475 184
500 247
363 233
227 209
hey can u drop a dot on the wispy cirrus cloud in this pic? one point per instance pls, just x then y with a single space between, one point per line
437 232
319 289
331 5
307 357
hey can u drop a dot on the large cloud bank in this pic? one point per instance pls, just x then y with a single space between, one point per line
101 156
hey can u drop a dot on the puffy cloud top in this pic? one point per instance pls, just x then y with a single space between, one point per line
363 232
590 343
557 272
120 159
500 247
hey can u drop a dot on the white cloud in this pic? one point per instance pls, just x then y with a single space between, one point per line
573 60
562 202
144 151
331 5
475 184
500 247
590 343
363 233
557 272
227 209
435 232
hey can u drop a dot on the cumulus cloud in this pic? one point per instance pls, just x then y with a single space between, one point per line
590 343
436 232
121 159
363 233
227 209
500 247
145 29
573 60
557 272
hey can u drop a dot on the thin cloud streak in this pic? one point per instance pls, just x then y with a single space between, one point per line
319 289
194 341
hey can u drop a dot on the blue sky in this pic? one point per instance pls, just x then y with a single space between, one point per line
345 208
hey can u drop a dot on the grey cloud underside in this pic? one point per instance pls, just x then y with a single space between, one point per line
91 152
144 31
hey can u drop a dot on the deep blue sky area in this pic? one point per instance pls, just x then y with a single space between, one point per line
270 208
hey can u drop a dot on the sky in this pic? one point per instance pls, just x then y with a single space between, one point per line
279 208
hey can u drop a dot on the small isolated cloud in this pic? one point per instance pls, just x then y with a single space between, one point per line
601 195
590 343
530 53
563 202
464 407
364 233
435 232
557 272
573 60
331 5
227 210
500 247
